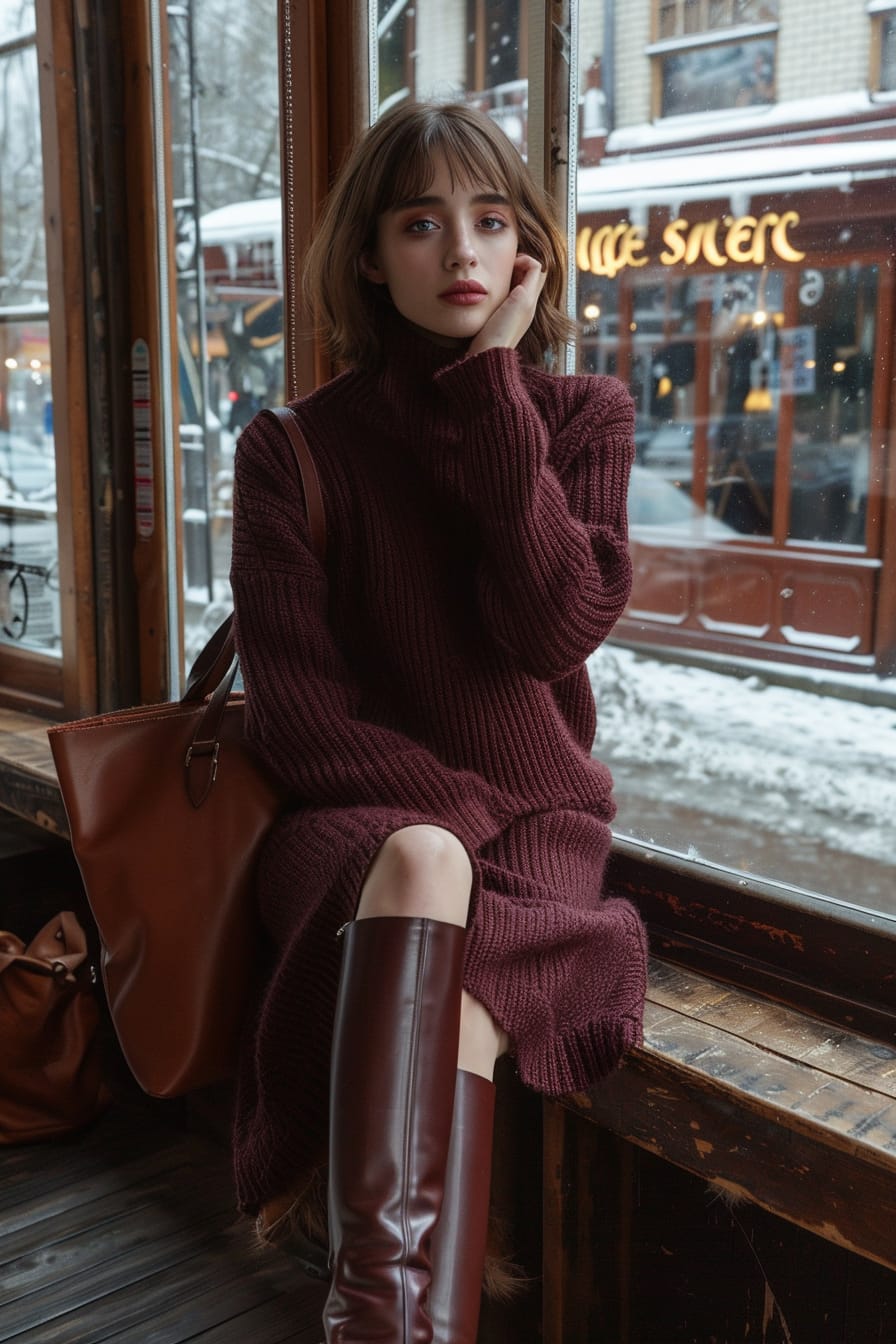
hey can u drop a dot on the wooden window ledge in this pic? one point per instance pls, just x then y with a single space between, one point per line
764 1102
28 784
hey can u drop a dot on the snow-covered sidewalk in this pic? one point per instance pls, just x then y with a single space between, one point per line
706 763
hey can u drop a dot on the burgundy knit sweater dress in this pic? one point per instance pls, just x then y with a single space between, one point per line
476 518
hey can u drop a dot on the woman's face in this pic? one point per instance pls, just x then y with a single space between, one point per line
447 257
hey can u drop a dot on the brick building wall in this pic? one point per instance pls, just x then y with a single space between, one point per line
441 48
633 29
823 48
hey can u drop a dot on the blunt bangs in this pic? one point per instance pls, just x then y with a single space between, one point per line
411 164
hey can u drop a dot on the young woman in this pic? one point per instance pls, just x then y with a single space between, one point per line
425 699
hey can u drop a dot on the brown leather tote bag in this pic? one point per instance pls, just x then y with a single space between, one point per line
50 1063
167 809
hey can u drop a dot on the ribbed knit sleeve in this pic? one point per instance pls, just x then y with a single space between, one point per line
301 702
551 507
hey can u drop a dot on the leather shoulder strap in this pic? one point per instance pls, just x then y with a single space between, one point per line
215 667
314 500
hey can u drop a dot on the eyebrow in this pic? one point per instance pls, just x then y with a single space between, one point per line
484 198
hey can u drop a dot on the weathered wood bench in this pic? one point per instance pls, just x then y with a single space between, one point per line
761 1101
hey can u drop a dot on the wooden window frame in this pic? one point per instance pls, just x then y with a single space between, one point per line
705 25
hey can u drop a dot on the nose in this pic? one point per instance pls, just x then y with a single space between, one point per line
461 251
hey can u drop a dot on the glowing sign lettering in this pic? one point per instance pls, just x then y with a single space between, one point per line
605 251
743 241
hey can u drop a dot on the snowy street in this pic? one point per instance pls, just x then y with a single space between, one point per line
782 783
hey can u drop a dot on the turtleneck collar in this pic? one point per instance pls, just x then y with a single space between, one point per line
401 395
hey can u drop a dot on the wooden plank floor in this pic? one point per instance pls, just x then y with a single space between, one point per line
127 1232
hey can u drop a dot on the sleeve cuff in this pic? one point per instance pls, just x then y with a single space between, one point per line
476 381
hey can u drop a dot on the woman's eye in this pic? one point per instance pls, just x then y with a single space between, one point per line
421 226
492 223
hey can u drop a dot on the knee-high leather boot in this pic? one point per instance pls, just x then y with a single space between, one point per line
459 1241
394 1065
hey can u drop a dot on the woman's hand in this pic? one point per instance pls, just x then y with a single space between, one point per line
508 324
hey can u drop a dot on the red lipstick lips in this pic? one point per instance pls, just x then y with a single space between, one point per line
464 292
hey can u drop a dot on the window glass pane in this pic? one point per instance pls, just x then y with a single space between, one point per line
755 11
23 268
474 49
16 19
501 41
228 253
739 279
744 402
888 54
680 18
832 375
396 70
707 79
29 585
668 18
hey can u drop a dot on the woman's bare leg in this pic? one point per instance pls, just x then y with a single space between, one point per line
425 872
419 872
481 1039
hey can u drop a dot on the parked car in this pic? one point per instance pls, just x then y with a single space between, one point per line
669 452
655 504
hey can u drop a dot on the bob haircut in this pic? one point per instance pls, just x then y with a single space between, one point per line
393 162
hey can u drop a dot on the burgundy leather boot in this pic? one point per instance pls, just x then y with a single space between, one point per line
459 1241
393 1071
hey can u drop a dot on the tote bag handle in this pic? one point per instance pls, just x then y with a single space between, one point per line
218 656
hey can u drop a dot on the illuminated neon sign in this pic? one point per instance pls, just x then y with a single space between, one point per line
746 240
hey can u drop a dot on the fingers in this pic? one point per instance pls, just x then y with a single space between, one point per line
509 324
529 273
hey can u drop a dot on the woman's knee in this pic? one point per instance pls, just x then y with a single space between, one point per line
419 870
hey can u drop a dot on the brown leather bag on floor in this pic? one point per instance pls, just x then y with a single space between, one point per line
51 1078
167 809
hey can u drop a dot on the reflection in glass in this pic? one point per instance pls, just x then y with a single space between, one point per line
662 376
831 372
708 79
16 19
744 399
598 315
29 587
395 30
888 54
475 50
22 259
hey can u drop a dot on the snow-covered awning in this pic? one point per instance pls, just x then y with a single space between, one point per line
243 222
740 174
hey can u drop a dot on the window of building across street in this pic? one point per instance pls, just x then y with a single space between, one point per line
883 47
709 55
